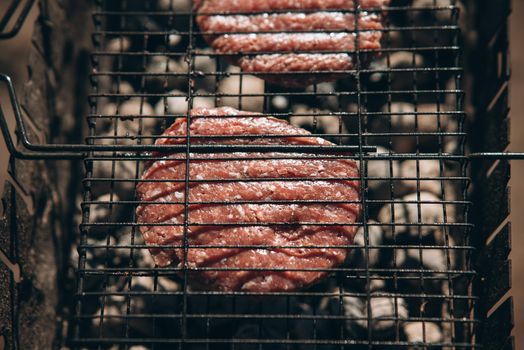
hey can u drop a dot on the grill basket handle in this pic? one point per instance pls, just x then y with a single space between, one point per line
78 151
9 13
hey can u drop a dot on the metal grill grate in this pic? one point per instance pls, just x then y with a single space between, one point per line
406 283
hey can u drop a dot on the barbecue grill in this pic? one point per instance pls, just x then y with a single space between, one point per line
430 260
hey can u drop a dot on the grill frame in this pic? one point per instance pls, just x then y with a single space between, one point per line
184 315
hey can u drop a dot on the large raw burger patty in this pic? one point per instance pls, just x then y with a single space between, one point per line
267 203
295 48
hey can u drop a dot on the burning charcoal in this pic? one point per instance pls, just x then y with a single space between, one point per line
376 284
431 212
141 256
405 59
101 212
385 169
119 44
203 101
104 213
133 109
138 347
327 95
410 259
431 13
250 85
402 80
123 87
116 312
384 311
321 328
204 65
358 254
176 105
422 332
171 74
280 103
167 284
112 319
354 309
174 40
433 259
123 170
174 5
403 120
320 122
427 168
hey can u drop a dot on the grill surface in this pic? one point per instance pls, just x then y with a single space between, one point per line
407 281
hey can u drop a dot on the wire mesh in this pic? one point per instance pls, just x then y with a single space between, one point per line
406 281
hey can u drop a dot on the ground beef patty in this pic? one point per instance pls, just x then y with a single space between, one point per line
292 42
267 199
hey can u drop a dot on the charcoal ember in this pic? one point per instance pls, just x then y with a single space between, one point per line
306 328
433 259
377 284
354 310
176 103
391 71
105 210
166 74
413 284
259 330
127 239
403 117
204 67
123 87
173 40
357 256
280 103
424 333
386 313
174 5
203 101
433 13
113 317
423 170
107 170
319 121
380 172
327 95
428 206
120 44
238 83
134 109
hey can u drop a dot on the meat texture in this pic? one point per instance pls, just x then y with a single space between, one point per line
293 48
259 222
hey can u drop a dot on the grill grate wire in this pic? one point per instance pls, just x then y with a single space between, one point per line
416 295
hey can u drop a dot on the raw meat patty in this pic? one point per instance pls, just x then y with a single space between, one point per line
295 48
267 217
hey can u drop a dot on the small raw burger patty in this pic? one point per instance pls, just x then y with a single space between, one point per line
268 215
274 37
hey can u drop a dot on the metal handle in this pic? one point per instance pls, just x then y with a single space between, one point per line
10 12
497 155
72 151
